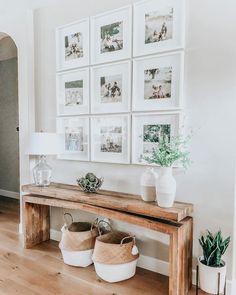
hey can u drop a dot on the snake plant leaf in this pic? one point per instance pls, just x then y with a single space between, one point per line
213 247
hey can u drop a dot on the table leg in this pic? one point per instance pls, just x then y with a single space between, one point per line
189 245
180 258
175 255
36 224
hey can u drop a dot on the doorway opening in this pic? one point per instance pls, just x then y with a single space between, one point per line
9 120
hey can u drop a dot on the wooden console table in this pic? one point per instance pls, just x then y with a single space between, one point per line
175 222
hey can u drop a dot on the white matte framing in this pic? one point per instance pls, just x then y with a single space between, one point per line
94 65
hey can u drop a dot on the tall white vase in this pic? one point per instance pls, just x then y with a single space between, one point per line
165 188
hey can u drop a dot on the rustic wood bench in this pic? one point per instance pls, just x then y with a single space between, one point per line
175 222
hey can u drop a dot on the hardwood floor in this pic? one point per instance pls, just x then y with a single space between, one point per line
41 271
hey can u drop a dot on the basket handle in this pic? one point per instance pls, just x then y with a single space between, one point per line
94 224
64 217
98 225
134 250
128 237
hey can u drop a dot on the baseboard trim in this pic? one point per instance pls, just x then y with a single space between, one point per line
20 229
9 194
156 265
55 235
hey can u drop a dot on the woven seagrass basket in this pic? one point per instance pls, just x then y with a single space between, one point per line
77 242
115 256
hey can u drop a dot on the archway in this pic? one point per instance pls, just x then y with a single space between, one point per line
9 119
19 25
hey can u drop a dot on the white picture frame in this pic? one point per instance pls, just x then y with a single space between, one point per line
158 82
74 138
159 25
111 88
143 124
72 42
110 139
107 46
73 92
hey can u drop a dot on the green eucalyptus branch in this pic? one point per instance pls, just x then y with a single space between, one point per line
169 151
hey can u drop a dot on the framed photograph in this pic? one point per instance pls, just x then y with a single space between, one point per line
74 137
110 88
158 82
73 92
147 129
73 45
110 139
111 35
159 25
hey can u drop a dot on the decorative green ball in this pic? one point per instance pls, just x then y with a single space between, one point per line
90 183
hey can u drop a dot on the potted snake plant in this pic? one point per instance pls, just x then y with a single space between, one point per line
211 263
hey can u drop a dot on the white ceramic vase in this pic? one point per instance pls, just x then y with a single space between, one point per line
148 185
208 277
165 188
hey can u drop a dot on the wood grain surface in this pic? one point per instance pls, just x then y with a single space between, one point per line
40 270
112 200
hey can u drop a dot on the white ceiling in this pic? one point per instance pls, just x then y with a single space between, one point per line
10 7
31 4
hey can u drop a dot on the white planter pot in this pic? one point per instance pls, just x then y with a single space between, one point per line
78 258
208 277
116 272
165 188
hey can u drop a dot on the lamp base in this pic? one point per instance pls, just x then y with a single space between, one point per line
42 172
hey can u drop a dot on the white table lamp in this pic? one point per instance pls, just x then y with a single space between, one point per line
42 144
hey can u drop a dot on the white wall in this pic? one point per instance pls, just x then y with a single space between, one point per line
210 108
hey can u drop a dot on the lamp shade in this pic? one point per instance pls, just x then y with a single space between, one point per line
42 143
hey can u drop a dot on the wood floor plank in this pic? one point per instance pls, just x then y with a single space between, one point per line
11 287
37 277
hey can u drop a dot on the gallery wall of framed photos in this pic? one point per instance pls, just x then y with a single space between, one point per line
120 81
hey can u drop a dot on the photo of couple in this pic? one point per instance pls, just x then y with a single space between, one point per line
73 46
157 83
111 89
112 37
159 26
